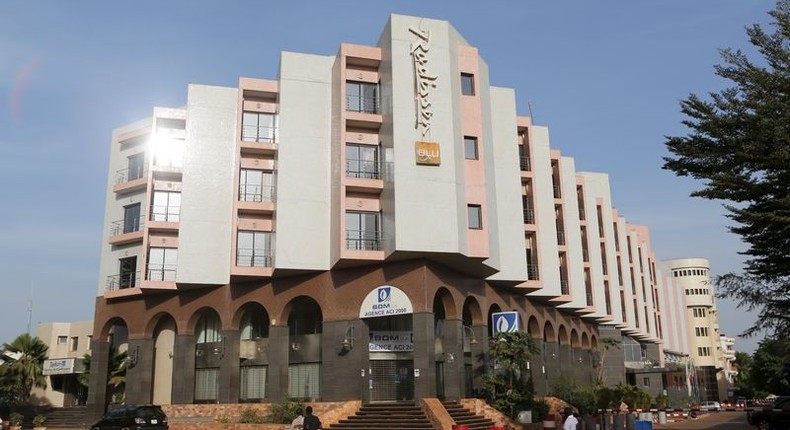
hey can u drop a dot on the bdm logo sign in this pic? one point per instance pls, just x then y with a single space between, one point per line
504 322
385 301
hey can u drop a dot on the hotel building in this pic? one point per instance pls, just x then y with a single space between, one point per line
357 228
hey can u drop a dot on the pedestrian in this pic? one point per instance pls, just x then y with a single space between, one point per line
311 422
571 422
298 422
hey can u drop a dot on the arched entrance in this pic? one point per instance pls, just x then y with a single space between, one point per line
387 312
164 345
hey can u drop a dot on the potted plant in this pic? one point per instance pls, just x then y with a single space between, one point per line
38 422
15 418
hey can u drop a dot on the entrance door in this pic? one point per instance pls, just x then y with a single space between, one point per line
391 380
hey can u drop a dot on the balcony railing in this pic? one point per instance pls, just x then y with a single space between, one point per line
364 169
585 253
126 175
525 163
560 237
129 225
564 286
246 257
557 192
256 193
363 240
165 213
529 216
362 104
589 299
122 281
581 212
532 272
259 133
158 272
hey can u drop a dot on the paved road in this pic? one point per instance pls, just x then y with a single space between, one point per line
713 420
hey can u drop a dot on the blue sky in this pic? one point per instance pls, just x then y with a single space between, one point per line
605 77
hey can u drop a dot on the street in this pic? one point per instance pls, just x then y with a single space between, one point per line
735 420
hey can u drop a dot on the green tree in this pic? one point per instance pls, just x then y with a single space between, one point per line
743 380
24 365
772 358
116 378
507 383
739 145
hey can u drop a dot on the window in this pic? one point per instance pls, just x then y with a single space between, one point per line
208 329
703 351
75 341
131 218
254 249
127 272
136 165
646 381
470 148
475 215
206 384
62 340
363 231
304 380
253 383
253 326
256 186
467 84
162 263
259 127
362 97
362 161
701 331
166 206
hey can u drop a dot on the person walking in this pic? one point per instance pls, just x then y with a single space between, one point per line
571 423
311 422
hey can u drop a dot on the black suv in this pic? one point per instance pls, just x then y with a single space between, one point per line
772 417
148 417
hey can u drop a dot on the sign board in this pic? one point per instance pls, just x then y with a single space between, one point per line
504 322
391 341
60 366
385 301
427 153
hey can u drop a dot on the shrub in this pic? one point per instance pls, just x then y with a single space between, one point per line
284 411
16 418
250 416
38 420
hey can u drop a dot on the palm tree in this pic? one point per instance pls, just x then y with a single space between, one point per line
116 378
24 366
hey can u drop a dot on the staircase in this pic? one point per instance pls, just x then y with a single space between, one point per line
386 416
463 416
71 417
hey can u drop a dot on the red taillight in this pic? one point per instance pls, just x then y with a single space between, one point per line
138 420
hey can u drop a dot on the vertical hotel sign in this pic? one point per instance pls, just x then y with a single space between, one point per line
426 152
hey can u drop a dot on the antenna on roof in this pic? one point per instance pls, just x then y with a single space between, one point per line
30 308
529 106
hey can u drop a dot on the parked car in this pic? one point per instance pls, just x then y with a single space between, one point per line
710 405
740 402
148 417
775 416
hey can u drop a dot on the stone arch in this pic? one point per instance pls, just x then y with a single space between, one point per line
304 316
109 326
491 310
472 313
448 303
585 341
574 338
548 332
193 319
533 328
593 342
562 335
155 321
252 321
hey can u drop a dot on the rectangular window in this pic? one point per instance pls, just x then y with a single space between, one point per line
136 165
162 263
304 381
362 97
467 84
475 217
75 341
259 127
253 383
254 249
256 186
62 340
166 206
363 231
362 161
131 218
127 272
206 384
470 148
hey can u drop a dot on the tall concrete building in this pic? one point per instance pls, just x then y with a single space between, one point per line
357 228
693 277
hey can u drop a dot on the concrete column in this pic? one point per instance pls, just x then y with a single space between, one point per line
277 373
229 368
184 369
479 354
538 366
552 365
424 355
97 387
140 371
342 363
453 344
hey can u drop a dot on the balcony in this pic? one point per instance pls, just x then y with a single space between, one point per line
560 236
161 213
363 240
525 163
589 298
564 289
364 169
246 257
362 104
122 281
161 273
557 192
130 180
529 216
532 272
256 193
127 230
